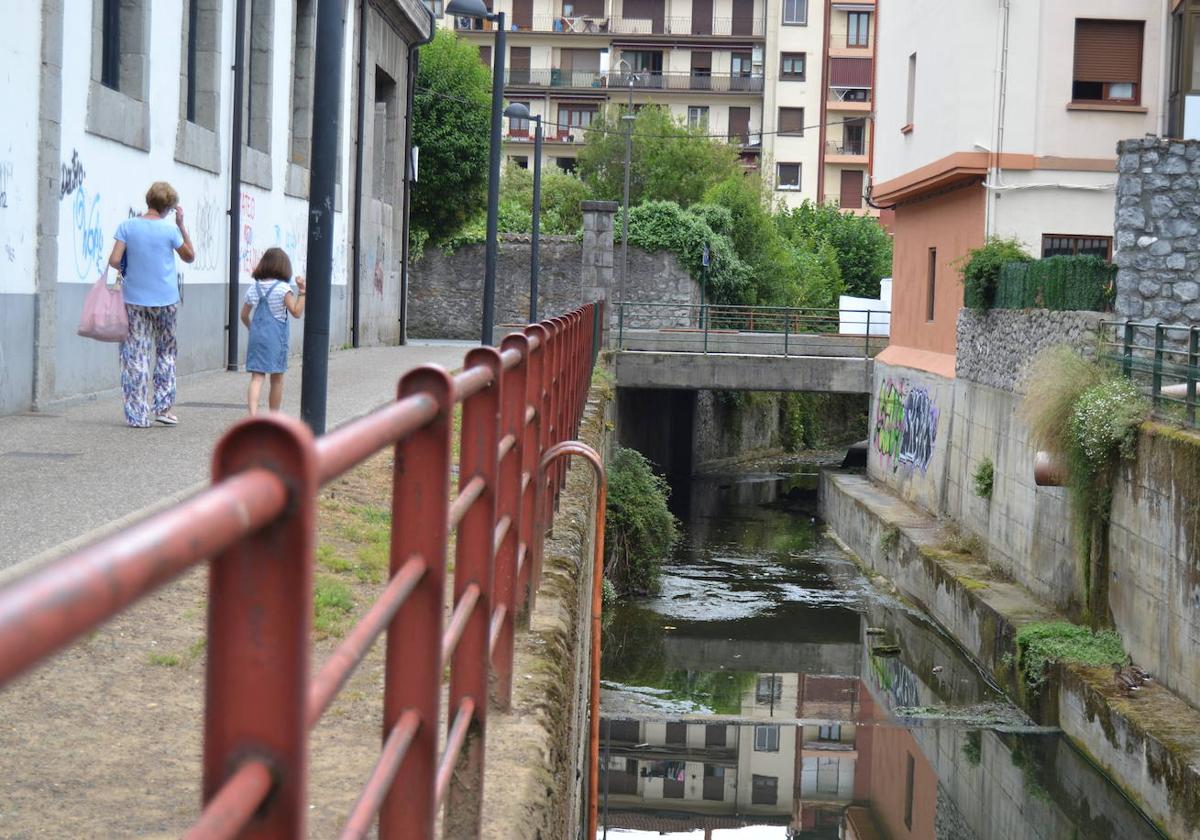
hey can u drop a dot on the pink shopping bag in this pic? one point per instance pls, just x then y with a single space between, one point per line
104 317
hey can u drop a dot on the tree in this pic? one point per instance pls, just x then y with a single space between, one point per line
451 125
863 248
669 161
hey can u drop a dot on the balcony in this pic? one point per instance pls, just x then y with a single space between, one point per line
570 134
592 79
668 27
853 151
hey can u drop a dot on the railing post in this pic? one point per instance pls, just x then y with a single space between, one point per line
1127 350
704 323
514 399
1156 379
597 330
1193 373
621 325
867 340
413 658
259 616
787 327
535 437
474 567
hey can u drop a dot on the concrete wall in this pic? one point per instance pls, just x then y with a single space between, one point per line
1157 227
79 157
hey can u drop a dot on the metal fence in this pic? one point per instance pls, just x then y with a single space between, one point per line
1163 360
600 25
257 523
555 77
752 330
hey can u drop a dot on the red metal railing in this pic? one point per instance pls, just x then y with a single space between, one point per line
257 523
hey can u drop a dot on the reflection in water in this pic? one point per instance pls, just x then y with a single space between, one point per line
769 691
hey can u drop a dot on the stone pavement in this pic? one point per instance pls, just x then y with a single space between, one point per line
74 472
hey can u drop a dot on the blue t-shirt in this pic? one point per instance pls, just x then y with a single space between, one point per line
150 244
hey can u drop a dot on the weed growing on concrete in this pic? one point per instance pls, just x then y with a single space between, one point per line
1044 643
889 539
959 542
984 478
164 660
972 748
332 602
640 530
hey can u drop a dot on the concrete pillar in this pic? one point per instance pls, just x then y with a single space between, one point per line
49 178
597 277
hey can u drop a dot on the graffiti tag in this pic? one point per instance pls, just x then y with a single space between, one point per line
89 238
6 171
207 217
72 176
906 422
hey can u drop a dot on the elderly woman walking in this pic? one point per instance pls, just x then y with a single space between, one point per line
147 244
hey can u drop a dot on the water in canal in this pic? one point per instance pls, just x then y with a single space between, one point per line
771 691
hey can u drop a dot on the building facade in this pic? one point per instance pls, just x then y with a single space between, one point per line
1009 129
765 74
106 96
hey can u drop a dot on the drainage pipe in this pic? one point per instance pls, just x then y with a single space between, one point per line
359 152
235 185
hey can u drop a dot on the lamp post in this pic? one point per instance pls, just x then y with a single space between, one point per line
476 9
628 118
519 111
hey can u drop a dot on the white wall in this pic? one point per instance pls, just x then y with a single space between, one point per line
804 150
1030 210
20 61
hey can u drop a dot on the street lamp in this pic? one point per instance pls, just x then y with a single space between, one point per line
628 118
519 111
476 9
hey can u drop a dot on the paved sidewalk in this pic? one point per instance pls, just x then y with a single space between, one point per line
70 471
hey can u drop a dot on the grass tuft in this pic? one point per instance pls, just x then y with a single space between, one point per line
332 604
164 660
1043 643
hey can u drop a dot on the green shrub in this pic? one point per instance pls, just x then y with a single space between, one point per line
889 539
1043 643
984 477
640 530
1063 283
981 271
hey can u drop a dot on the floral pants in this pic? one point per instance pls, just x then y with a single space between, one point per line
148 363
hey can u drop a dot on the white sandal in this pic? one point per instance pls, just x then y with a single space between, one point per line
167 419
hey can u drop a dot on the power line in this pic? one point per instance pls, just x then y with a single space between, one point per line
621 133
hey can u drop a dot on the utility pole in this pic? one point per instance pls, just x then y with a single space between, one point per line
491 251
628 118
326 108
535 244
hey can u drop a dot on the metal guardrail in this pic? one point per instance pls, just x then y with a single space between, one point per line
554 77
1163 360
257 523
753 330
617 25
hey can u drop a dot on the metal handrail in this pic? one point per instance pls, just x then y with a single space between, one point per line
1163 360
518 402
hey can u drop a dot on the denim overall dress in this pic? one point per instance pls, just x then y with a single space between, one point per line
267 351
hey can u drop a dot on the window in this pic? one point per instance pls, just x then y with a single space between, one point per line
766 738
830 733
908 792
485 56
304 41
714 735
200 79
256 114
741 65
910 109
795 12
577 116
791 121
1108 61
792 67
676 733
764 790
714 783
768 690
931 292
858 29
117 96
787 176
1066 245
566 164
386 138
697 116
854 137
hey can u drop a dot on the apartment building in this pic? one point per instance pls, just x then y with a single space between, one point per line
1007 129
765 74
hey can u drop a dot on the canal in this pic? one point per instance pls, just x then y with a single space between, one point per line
770 690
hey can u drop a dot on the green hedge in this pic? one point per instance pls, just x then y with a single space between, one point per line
1070 283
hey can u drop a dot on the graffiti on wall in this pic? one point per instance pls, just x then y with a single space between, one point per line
906 423
207 220
6 171
72 175
88 235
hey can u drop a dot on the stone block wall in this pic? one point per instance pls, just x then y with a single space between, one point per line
1158 230
995 347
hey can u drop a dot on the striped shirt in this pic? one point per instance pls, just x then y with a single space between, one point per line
259 288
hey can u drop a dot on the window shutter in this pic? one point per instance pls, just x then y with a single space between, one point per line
1108 51
791 120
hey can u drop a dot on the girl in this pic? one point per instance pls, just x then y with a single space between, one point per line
267 350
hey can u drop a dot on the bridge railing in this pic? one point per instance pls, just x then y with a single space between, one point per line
257 523
755 330
1163 360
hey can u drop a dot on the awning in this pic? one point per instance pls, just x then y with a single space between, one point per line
850 72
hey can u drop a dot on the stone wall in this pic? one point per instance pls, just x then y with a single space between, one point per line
995 347
446 290
1158 230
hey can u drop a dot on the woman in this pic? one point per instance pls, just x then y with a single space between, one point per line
148 244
